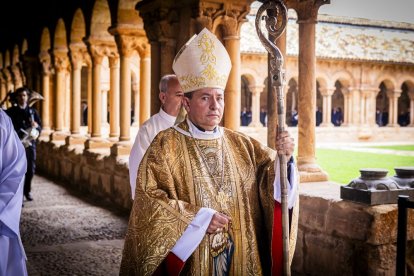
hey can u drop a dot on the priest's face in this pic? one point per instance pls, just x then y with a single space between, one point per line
171 100
205 108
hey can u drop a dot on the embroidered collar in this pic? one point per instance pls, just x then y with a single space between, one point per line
187 126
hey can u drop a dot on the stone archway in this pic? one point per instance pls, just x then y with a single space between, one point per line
404 104
292 103
245 101
382 105
338 111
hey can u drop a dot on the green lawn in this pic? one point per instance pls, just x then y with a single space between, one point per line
396 147
343 166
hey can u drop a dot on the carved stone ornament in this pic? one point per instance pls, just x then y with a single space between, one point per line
44 58
373 187
404 177
373 179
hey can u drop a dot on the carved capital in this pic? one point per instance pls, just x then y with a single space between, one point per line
144 50
61 61
44 58
411 94
307 10
127 44
160 22
99 50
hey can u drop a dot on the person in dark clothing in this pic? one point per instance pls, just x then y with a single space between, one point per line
27 124
318 116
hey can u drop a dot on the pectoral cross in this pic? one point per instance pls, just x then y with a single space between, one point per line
222 198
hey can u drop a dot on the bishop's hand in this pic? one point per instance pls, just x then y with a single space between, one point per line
218 222
285 144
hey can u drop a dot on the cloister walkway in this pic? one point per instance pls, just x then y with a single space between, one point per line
67 233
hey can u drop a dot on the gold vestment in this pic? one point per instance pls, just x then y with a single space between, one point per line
173 183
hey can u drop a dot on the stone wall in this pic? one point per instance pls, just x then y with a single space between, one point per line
339 237
93 171
335 237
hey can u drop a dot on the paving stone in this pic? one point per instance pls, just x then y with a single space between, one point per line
67 233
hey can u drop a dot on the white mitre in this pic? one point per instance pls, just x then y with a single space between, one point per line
202 62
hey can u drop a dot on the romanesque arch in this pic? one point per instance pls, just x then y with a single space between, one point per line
292 102
78 29
404 101
382 103
101 20
127 13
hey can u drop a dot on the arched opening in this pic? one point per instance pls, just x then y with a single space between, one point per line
246 102
319 104
382 106
263 103
134 98
337 113
292 103
404 106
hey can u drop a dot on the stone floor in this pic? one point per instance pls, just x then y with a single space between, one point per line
67 233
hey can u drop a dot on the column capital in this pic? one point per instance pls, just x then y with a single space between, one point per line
98 50
44 58
307 10
256 89
78 55
144 50
411 94
61 61
7 74
393 93
126 44
327 91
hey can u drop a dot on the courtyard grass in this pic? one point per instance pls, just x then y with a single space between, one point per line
396 147
343 166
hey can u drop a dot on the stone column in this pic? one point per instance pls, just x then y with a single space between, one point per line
98 50
61 64
45 61
327 107
76 92
17 77
256 90
363 111
104 107
9 81
411 95
3 91
145 84
232 92
348 108
114 99
135 94
155 76
393 107
89 92
307 14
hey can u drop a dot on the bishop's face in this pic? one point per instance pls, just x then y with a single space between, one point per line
205 108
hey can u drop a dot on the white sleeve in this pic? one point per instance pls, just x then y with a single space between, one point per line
138 150
193 234
292 184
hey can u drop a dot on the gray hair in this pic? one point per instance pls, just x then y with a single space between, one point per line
165 80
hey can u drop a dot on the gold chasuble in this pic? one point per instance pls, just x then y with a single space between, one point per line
174 182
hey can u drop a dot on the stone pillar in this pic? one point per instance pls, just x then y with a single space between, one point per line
104 107
256 90
135 94
9 81
114 99
393 107
17 77
3 91
145 84
76 92
348 107
411 95
327 107
98 50
61 64
89 92
45 61
363 111
155 76
232 92
307 15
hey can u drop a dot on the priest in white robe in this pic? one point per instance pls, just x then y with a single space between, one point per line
170 96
